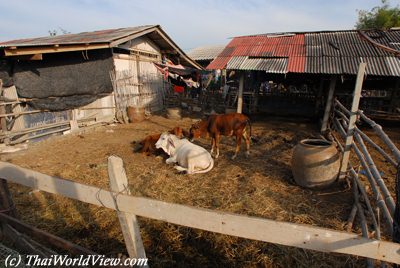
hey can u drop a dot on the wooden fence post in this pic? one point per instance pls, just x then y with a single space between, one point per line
128 221
3 122
6 202
328 105
352 120
240 93
255 228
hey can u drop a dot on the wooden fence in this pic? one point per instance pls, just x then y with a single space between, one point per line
20 123
379 204
255 228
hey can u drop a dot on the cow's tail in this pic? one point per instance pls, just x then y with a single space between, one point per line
250 133
207 169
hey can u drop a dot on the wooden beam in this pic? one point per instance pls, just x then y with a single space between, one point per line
133 57
6 203
328 105
51 49
128 221
21 113
132 36
352 120
43 235
29 57
282 233
3 122
22 242
22 139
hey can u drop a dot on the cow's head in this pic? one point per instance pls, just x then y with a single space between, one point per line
177 131
195 131
166 142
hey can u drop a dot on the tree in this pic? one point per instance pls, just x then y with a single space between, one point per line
380 17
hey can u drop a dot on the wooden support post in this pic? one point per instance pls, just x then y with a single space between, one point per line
240 93
129 223
350 220
6 202
396 218
318 96
352 120
363 220
139 79
3 122
328 105
74 121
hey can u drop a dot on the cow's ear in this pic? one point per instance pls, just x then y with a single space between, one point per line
171 142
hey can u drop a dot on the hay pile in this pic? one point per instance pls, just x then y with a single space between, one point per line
260 186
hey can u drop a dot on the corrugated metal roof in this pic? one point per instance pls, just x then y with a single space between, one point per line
206 52
296 64
274 65
394 65
104 36
218 62
331 65
235 62
313 65
330 52
262 47
350 64
377 66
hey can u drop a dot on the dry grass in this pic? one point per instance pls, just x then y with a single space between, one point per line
260 186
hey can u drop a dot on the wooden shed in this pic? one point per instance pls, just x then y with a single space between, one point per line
58 83
291 73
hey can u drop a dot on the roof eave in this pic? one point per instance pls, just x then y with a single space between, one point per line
180 51
124 39
25 50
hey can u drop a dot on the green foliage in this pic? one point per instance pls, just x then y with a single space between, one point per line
380 17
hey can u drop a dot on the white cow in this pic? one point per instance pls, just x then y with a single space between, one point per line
190 157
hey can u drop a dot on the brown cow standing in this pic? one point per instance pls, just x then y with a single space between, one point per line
233 124
149 143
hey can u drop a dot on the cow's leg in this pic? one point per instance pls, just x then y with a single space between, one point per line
238 143
212 145
190 169
170 160
179 168
217 139
247 139
145 147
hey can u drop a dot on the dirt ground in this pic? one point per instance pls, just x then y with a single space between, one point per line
259 186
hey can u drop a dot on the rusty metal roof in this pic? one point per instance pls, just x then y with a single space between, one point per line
103 36
206 52
328 52
111 38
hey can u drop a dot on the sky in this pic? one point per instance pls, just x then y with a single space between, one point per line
189 23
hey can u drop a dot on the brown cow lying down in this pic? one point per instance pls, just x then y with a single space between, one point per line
149 143
233 124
